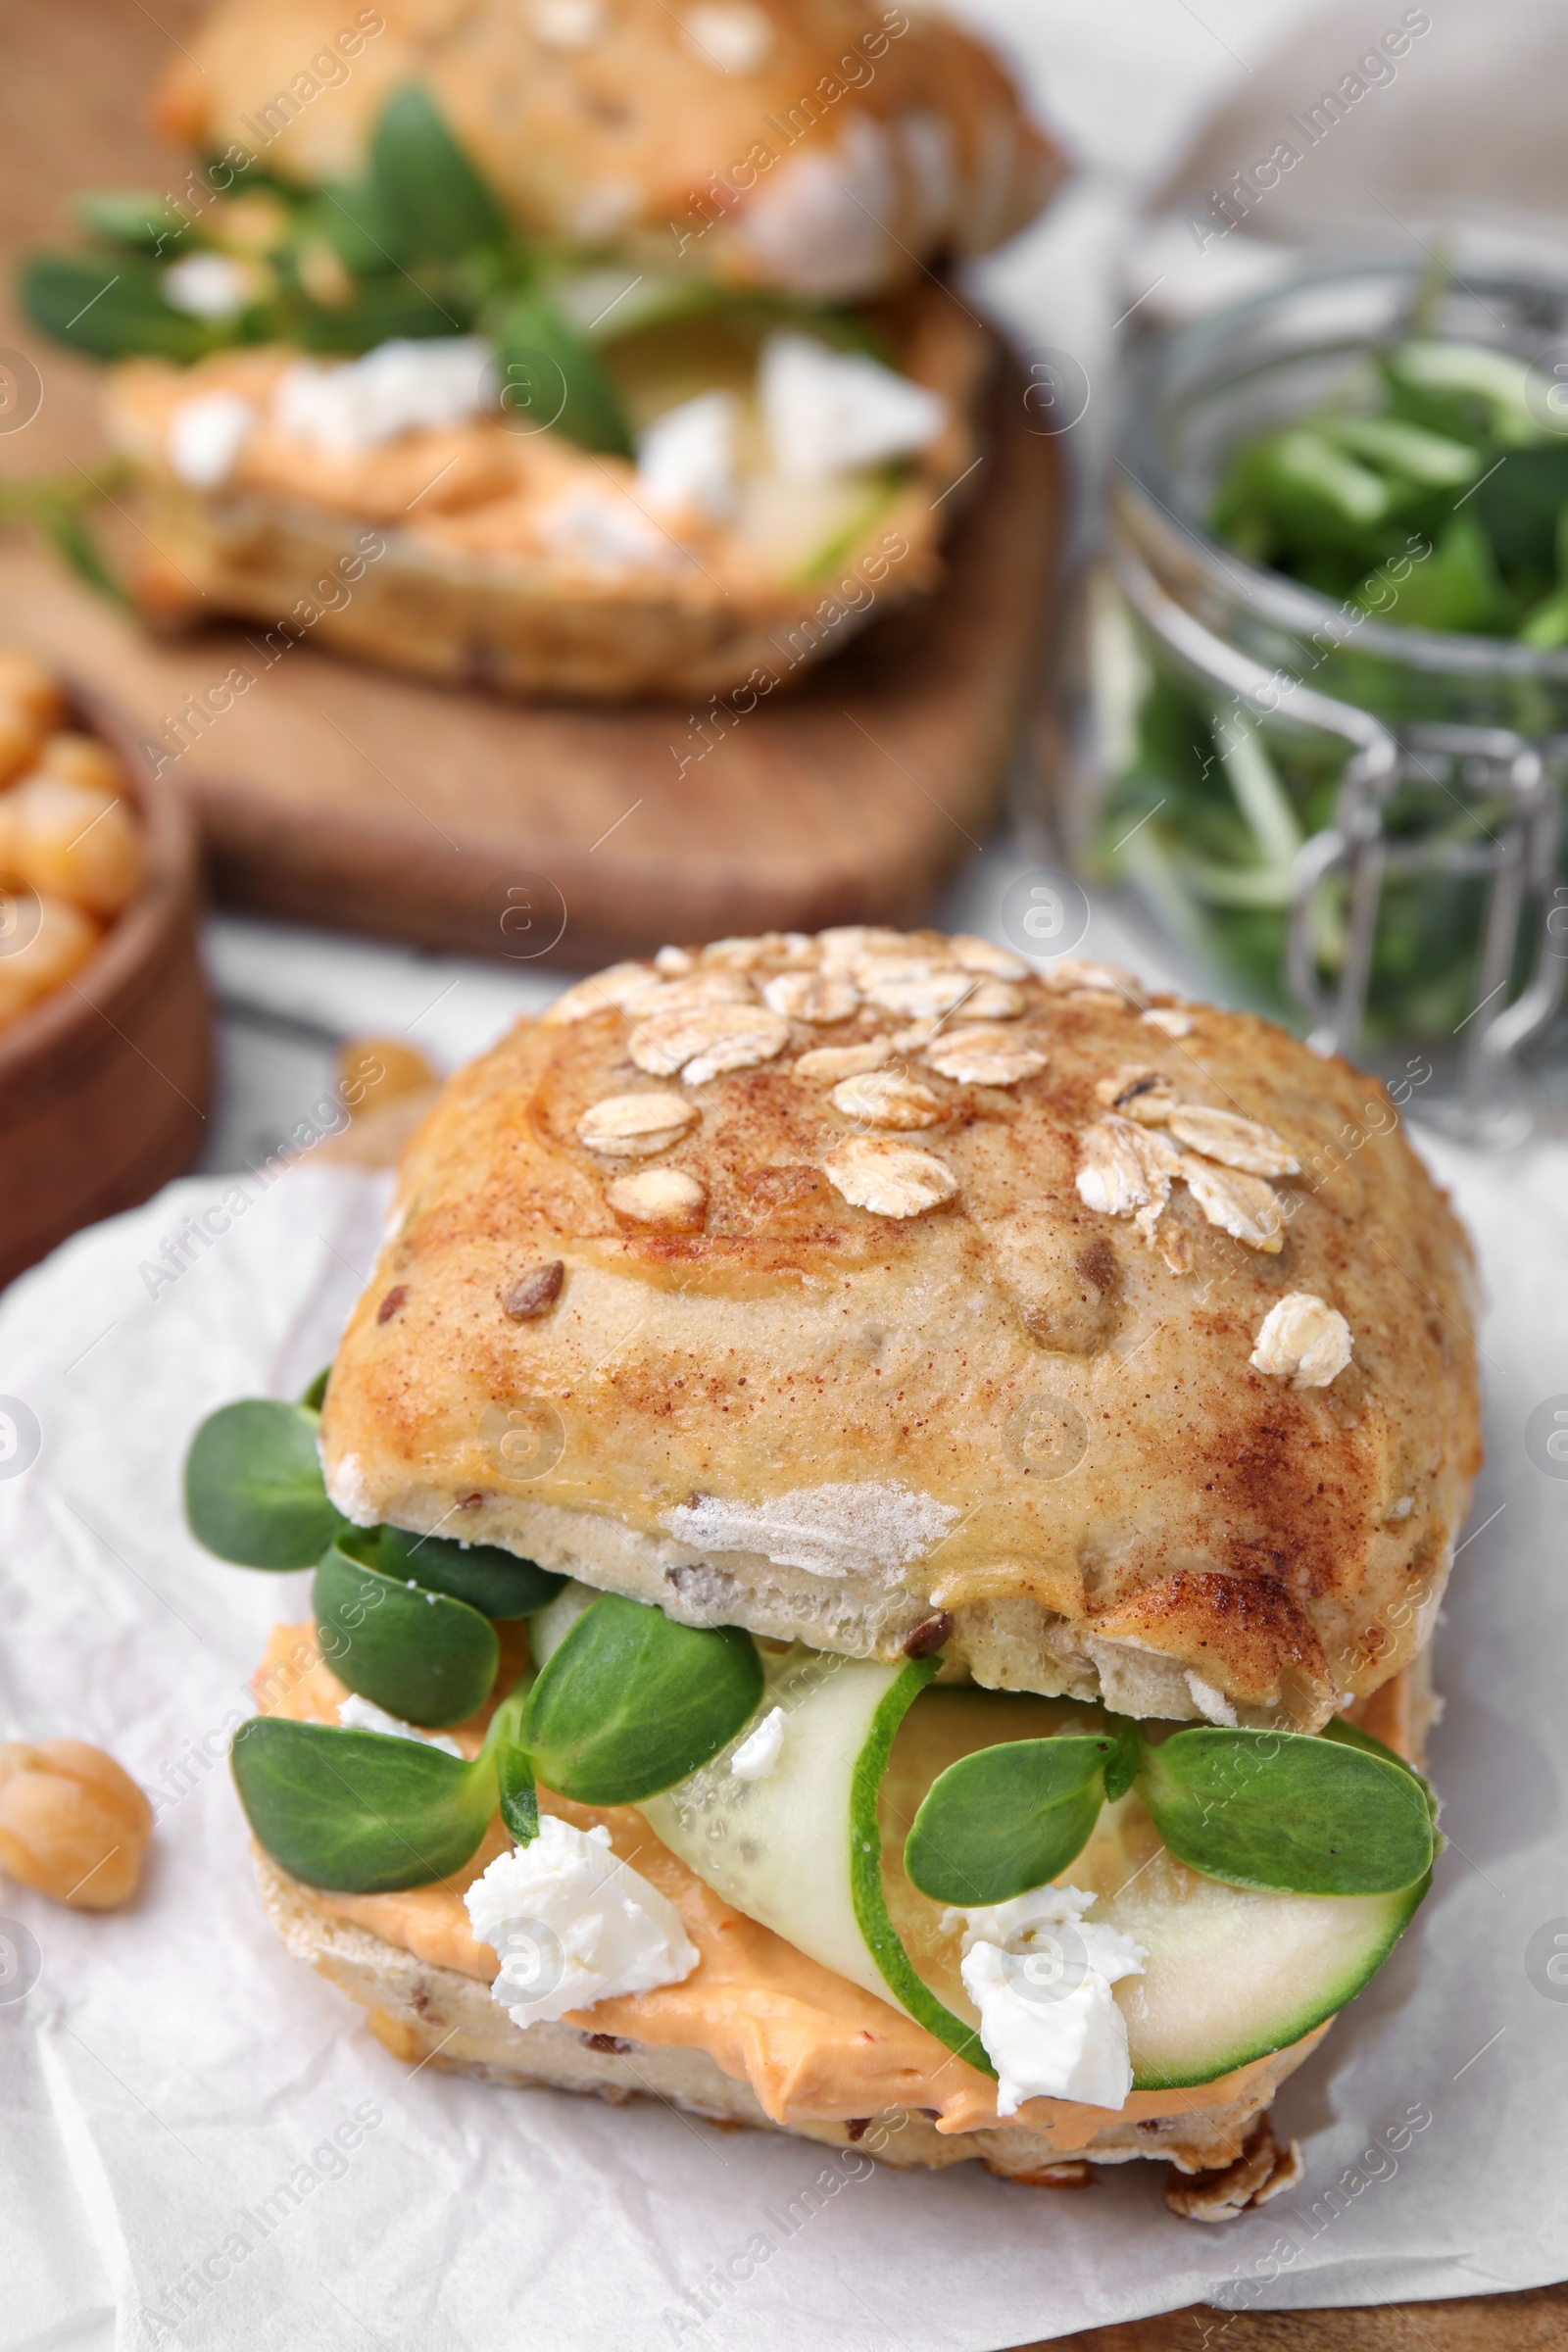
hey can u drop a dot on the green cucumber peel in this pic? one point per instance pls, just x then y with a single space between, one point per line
418 1654
630 1702
360 1812
1008 1818
1288 1812
882 1940
254 1490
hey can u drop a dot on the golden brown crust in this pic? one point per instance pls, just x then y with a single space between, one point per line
1009 1410
711 136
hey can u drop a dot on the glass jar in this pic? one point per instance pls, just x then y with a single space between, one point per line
1348 824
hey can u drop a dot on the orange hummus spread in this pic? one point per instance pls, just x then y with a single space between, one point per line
812 2047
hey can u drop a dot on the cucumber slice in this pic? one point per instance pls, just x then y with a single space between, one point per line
1231 1973
801 1851
1231 1976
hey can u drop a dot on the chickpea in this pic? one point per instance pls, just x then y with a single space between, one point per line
72 1823
29 686
18 740
376 1071
55 940
73 840
83 760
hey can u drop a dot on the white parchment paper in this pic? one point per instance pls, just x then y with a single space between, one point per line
177 2094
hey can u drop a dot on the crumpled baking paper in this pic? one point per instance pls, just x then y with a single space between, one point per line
202 2143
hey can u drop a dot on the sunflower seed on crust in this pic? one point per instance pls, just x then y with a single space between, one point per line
821 998
828 1064
674 962
601 992
1145 1095
1235 1141
1070 973
888 1098
657 1195
711 1039
1240 1204
1305 1340
890 1180
979 955
984 1057
1170 1018
635 1126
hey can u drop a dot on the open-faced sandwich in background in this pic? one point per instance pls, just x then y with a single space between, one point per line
975 1458
617 331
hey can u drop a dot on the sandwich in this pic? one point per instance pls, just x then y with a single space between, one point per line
879 1520
606 342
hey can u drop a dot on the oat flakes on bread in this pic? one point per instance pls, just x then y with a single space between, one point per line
1027 1318
824 146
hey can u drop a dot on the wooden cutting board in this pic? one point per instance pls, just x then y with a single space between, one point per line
346 797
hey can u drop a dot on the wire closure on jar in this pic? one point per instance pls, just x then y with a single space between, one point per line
1517 863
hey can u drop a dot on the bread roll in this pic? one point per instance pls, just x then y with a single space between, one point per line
822 146
1110 1346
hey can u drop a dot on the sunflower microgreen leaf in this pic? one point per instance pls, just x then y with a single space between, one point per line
358 1812
495 1582
1289 1811
631 1702
1010 1817
426 188
254 1490
422 1655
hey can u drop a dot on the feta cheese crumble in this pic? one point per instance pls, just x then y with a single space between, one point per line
687 457
357 1714
757 1757
207 285
604 532
1040 1973
206 435
573 1925
729 35
816 225
399 387
825 411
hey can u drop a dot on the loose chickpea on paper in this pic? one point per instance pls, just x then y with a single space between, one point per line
376 1071
73 840
43 941
72 1824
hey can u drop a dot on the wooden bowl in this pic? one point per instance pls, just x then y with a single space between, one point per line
104 1085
